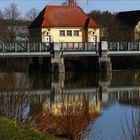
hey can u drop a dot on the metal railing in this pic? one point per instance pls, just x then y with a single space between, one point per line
24 47
67 46
124 46
79 46
44 47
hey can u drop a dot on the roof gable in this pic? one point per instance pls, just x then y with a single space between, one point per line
62 16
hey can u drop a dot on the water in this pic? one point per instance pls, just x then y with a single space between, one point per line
89 105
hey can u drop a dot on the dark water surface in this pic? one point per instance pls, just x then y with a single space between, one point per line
89 105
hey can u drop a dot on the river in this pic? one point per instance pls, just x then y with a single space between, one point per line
92 106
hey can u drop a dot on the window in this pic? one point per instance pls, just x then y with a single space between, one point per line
62 33
69 33
76 33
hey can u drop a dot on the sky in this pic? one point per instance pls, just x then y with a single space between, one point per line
103 5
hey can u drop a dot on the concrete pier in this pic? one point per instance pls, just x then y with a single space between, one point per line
105 64
104 83
57 60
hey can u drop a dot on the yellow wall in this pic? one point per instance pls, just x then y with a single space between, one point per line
93 32
137 32
55 35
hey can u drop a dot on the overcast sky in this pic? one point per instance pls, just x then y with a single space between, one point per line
103 5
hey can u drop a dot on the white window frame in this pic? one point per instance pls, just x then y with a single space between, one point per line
62 31
69 31
76 32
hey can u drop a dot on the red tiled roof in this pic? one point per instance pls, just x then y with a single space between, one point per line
62 16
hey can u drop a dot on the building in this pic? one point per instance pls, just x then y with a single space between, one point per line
64 24
132 20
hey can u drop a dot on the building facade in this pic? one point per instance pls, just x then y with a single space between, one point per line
64 24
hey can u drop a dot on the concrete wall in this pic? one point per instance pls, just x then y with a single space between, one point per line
137 32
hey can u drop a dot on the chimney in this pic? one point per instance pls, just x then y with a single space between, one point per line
72 2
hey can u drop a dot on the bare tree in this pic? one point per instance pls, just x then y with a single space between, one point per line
32 14
1 15
12 12
12 15
3 29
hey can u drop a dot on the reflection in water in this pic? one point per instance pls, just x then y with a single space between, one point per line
49 104
132 130
13 101
69 105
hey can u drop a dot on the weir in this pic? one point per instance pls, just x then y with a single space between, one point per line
57 53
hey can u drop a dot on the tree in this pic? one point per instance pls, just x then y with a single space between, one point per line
12 12
119 31
111 28
12 15
103 18
32 14
3 31
3 28
1 15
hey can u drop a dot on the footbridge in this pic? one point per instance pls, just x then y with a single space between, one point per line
37 49
58 51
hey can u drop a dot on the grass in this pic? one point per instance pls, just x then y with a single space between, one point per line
10 130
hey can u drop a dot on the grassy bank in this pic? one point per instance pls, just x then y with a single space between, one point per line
9 130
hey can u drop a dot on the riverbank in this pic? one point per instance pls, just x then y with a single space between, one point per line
10 130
